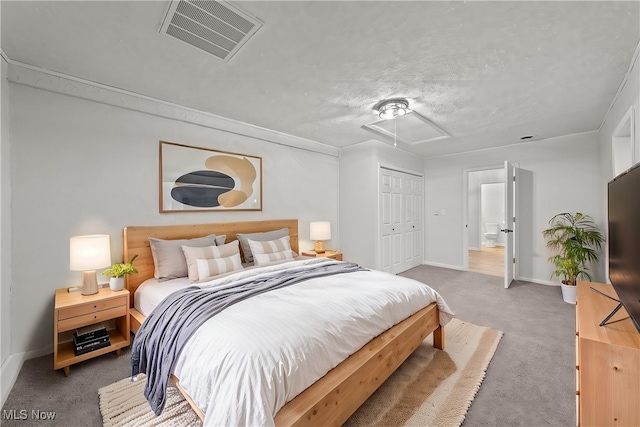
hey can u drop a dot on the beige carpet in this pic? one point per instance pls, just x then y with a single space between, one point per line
432 388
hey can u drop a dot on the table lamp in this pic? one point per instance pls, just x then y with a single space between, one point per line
320 231
87 254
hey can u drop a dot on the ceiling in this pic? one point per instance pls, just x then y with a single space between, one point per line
485 73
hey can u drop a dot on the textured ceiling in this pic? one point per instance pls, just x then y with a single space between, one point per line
486 73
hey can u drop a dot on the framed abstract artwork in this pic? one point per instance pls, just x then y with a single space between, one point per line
201 179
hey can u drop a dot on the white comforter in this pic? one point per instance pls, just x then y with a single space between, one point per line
245 363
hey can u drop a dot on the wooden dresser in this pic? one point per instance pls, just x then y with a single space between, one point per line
607 361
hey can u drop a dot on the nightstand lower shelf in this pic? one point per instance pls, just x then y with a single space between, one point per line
67 357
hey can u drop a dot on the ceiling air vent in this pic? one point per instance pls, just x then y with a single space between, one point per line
216 27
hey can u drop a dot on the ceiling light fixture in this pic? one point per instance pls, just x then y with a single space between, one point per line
392 108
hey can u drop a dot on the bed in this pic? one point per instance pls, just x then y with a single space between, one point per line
335 396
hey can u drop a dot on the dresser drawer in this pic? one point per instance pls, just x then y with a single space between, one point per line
91 318
91 307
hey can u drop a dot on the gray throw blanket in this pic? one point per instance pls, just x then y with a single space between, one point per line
164 333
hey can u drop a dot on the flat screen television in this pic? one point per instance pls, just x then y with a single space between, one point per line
624 240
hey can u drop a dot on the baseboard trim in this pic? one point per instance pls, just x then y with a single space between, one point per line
9 374
538 281
449 266
522 279
12 366
37 353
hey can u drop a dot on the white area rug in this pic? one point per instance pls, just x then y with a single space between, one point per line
432 388
123 404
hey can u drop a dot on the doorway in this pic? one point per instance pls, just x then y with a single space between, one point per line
485 219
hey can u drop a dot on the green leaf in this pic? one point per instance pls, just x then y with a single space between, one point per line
119 270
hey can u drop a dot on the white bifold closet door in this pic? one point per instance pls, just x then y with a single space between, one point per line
401 240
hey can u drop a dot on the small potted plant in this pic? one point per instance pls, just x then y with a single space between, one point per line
576 241
117 272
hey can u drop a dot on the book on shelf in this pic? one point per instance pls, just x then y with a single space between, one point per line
94 345
88 332
79 341
83 339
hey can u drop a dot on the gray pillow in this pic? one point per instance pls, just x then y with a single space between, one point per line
168 256
258 237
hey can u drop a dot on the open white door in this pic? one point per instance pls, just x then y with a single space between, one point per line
509 198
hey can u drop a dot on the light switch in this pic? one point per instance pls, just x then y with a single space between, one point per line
443 212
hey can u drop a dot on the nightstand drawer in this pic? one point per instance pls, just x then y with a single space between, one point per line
91 307
91 318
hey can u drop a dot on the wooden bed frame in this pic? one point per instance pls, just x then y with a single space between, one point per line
336 396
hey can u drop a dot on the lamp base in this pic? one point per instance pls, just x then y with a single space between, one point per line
89 283
319 247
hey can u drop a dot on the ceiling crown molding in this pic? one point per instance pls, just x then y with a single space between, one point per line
53 81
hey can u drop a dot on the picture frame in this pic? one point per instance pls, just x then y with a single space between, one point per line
195 179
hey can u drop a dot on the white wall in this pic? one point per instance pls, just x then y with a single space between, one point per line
359 165
5 221
629 96
80 166
561 175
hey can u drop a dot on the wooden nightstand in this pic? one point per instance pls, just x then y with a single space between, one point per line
327 254
74 310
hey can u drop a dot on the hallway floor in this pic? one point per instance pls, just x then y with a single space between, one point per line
487 261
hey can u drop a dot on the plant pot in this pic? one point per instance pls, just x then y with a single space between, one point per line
569 293
116 283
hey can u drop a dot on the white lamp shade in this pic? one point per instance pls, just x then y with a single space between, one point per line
320 230
89 252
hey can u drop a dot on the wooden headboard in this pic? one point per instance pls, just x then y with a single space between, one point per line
136 241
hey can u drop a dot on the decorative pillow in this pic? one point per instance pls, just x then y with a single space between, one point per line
207 268
192 254
272 250
168 257
258 237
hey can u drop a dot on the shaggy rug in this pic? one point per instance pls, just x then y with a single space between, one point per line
431 388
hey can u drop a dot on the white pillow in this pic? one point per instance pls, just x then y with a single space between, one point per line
271 250
258 237
209 252
207 268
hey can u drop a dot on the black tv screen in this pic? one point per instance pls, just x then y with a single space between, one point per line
624 240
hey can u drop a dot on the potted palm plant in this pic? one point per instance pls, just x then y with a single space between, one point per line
117 272
576 241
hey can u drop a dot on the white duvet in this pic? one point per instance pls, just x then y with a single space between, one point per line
245 363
